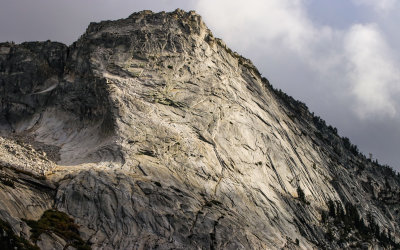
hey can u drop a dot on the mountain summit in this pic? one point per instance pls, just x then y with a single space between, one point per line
150 133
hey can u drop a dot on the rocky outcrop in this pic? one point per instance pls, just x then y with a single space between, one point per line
29 72
154 134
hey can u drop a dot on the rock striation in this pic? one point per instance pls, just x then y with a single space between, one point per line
152 134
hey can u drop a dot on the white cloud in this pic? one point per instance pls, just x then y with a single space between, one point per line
373 74
354 62
378 5
272 21
274 27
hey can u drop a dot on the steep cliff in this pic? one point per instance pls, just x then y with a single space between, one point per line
150 133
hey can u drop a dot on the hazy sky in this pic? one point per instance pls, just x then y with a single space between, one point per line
340 57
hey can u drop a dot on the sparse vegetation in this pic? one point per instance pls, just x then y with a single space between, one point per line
326 133
301 196
299 110
57 222
350 226
8 239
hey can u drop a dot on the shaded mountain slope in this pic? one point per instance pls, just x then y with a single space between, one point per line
154 134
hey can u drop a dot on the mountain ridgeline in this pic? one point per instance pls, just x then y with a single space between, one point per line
150 133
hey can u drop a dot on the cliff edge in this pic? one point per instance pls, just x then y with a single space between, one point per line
149 132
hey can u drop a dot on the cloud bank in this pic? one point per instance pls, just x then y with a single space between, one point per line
373 74
358 56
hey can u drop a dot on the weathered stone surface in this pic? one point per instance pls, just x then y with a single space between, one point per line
50 242
28 72
23 192
158 136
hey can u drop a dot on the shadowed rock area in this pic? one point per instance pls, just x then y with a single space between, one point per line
150 133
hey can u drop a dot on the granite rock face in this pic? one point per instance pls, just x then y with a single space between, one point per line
154 134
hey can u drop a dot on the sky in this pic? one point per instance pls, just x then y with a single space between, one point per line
340 57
